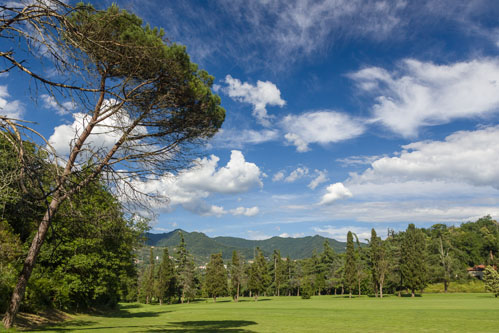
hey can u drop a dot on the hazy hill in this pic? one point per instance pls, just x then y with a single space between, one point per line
202 246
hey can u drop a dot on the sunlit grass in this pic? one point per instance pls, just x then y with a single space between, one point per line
430 313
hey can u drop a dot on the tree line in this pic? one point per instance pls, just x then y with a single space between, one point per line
405 262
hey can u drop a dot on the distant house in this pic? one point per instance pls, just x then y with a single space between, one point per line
477 271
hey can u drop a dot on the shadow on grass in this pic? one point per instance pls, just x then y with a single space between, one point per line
182 326
207 326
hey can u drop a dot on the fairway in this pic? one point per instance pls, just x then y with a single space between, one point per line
430 313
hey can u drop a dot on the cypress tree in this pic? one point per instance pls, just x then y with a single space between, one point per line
185 272
350 272
413 265
258 277
216 277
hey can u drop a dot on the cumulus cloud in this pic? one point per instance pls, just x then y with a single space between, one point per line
296 174
192 186
470 157
320 177
245 211
334 192
260 95
320 127
420 94
11 109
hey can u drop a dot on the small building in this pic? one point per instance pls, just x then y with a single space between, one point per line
476 271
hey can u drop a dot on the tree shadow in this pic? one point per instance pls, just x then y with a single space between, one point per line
123 313
63 327
207 326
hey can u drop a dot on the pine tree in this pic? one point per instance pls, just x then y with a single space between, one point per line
413 265
278 272
258 277
350 271
165 287
185 271
236 275
216 277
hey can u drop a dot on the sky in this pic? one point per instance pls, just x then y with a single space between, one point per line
340 115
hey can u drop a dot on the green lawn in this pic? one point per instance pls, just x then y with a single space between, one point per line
430 313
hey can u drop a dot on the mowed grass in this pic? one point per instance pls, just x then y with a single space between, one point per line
430 313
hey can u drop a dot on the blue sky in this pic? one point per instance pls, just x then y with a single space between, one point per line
341 115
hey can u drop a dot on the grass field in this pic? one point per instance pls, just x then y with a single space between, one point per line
430 313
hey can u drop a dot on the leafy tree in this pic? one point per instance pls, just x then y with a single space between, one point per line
379 262
216 277
350 271
166 282
413 265
491 279
236 275
147 93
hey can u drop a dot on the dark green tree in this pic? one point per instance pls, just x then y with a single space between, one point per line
166 282
185 272
350 270
258 280
278 272
414 266
216 277
236 275
149 278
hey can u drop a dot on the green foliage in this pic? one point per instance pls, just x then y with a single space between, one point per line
166 282
236 275
491 280
216 277
186 274
259 278
413 265
350 272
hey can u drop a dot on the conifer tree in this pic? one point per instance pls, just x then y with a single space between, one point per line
149 278
350 272
379 262
278 272
165 287
258 277
216 277
185 271
236 275
328 264
413 265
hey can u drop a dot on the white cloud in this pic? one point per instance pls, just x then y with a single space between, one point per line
192 186
470 157
334 192
278 176
296 174
320 127
245 211
423 94
340 233
49 102
259 95
321 177
11 109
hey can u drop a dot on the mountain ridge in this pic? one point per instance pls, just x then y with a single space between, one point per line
202 246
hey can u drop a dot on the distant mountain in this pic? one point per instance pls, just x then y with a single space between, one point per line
202 246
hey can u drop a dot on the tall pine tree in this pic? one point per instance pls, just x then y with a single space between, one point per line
185 272
236 275
166 282
413 266
216 277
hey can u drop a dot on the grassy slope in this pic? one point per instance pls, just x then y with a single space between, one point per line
431 313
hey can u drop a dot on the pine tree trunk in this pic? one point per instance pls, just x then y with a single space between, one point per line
29 263
237 295
298 294
412 293
214 299
446 286
160 301
380 290
350 294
